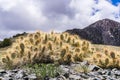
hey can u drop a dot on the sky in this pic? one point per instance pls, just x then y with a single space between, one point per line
18 16
115 2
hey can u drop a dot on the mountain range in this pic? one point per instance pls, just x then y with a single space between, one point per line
104 31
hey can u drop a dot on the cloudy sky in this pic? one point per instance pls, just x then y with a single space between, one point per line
29 15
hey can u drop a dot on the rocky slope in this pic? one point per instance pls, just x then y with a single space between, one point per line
104 31
75 71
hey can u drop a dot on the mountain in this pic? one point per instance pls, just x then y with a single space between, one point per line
104 31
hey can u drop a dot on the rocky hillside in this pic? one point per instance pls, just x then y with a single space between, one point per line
104 31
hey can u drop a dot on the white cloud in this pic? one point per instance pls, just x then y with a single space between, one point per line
27 15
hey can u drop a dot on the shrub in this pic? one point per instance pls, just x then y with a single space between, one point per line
42 70
6 42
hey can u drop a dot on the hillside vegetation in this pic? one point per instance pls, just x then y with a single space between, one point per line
61 48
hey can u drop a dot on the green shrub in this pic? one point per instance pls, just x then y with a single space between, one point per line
42 70
6 42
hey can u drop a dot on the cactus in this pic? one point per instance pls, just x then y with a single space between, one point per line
83 43
106 61
55 39
38 33
43 49
62 37
46 46
36 49
112 55
22 46
73 40
29 55
77 58
68 40
46 38
81 57
98 55
37 42
106 52
51 52
30 35
8 58
13 55
77 50
115 63
61 43
21 37
50 45
8 63
35 36
68 59
52 32
34 57
76 44
63 52
4 60
104 64
31 40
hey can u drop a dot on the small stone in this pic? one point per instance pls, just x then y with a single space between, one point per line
66 75
117 73
61 78
14 71
94 68
93 74
74 77
46 78
3 72
95 78
84 63
57 74
32 76
26 78
84 76
64 68
54 79
20 74
115 69
108 73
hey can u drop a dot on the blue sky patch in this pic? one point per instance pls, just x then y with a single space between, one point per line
115 2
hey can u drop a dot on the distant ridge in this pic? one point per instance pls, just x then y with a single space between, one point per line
104 31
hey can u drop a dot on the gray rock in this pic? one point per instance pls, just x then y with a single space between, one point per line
14 71
61 77
32 76
115 69
117 73
84 76
95 78
74 77
64 68
66 75
84 63
7 78
94 68
20 74
2 72
46 78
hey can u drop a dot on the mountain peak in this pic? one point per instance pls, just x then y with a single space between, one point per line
104 31
105 24
106 19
